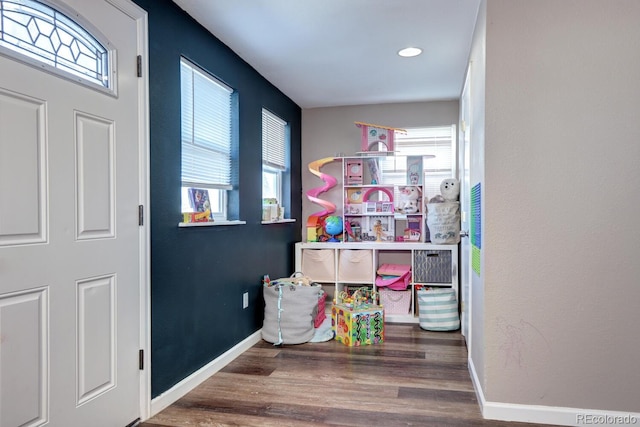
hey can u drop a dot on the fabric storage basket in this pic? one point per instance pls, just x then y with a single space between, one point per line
438 309
289 312
319 264
395 302
443 220
355 265
432 266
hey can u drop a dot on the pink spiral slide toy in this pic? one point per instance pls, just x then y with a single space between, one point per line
314 222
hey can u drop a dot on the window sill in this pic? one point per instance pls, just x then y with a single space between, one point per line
211 223
278 221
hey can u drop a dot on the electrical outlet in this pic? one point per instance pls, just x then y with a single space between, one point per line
245 300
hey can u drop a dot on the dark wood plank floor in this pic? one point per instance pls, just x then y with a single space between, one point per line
414 378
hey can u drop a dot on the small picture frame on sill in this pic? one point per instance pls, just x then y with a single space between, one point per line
199 201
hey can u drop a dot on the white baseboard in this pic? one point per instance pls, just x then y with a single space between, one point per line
477 386
547 414
192 381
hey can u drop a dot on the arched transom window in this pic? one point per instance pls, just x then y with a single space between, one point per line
41 33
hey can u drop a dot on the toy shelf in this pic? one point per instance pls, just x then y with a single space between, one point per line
383 216
349 265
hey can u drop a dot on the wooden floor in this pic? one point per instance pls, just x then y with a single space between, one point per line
414 378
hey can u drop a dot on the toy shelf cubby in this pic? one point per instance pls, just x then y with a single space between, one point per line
343 265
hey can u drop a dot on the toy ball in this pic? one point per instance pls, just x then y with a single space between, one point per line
333 226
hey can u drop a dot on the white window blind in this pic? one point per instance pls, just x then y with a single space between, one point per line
274 140
427 141
206 129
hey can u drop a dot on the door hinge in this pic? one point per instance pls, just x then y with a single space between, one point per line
140 215
141 359
139 65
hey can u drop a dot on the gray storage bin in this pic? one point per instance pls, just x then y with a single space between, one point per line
432 266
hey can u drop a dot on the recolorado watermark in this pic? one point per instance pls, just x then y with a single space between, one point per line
606 420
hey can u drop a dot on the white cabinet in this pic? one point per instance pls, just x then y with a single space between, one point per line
349 265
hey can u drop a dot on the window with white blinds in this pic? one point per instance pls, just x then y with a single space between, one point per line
436 145
274 141
206 129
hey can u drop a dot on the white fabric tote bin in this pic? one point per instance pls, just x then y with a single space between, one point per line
319 264
355 265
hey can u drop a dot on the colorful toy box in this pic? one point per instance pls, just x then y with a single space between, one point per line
357 326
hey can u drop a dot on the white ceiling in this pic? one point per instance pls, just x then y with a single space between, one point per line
323 53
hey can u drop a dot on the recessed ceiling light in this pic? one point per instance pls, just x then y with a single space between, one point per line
410 51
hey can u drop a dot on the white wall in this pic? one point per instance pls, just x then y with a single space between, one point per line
561 197
331 131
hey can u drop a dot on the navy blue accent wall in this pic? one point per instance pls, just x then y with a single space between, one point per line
198 274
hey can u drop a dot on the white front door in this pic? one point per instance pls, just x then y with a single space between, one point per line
70 251
465 194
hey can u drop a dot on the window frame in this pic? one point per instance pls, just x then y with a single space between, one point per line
276 145
277 174
191 143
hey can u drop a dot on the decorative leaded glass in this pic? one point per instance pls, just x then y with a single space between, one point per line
40 32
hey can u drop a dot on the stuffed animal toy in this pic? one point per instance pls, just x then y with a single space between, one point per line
450 189
443 214
409 200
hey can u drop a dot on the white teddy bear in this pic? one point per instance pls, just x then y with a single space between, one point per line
450 189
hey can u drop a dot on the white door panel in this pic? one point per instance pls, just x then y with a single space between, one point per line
465 193
23 207
95 160
24 366
69 240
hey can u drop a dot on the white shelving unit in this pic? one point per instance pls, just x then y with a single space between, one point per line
354 264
